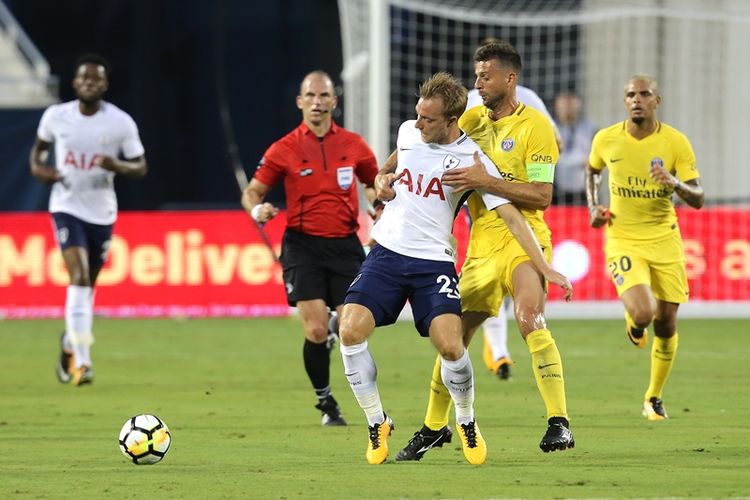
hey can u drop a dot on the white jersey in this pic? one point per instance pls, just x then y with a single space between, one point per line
523 94
418 222
87 191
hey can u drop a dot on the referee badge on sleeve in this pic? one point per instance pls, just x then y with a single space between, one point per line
345 177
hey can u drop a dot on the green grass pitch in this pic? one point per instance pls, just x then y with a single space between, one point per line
239 405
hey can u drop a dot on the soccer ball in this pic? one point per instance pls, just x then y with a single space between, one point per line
145 439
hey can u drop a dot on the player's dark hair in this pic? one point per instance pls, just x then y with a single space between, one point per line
504 52
95 59
447 87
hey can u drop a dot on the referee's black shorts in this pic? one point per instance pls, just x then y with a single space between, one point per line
319 268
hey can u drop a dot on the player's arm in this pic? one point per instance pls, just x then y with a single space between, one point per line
690 191
252 202
598 213
45 173
531 195
525 236
135 167
386 177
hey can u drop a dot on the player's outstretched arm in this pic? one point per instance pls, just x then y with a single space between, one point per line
46 174
529 195
252 202
522 232
136 167
598 214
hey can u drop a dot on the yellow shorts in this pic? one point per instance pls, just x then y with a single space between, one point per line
658 264
486 280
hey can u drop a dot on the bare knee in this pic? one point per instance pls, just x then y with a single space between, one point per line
316 333
529 319
642 316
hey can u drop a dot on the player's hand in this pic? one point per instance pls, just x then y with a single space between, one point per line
263 212
659 174
598 216
107 163
465 178
562 281
384 185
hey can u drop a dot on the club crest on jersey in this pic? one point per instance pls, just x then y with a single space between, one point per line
450 162
657 163
508 144
345 177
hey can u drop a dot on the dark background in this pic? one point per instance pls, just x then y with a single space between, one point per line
164 74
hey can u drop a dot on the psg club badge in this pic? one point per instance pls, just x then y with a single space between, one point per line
450 162
508 144
345 177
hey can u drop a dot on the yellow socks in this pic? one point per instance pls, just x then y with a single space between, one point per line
663 352
439 404
547 367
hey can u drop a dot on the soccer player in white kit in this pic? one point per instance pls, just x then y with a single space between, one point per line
94 140
414 259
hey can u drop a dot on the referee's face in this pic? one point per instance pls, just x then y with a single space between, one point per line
316 99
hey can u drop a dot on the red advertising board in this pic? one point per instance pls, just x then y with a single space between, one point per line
214 263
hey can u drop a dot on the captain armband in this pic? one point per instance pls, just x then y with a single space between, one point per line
540 172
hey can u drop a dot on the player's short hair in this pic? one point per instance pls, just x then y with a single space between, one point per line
320 73
652 82
95 59
504 52
449 89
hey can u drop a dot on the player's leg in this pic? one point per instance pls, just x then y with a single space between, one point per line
480 290
670 286
631 276
529 300
77 339
375 298
495 353
458 377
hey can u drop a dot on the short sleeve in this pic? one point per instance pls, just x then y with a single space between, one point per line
132 147
685 168
596 158
270 168
45 131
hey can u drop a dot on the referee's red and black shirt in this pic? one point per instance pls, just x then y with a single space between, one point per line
319 175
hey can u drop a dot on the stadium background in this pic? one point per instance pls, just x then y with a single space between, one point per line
174 62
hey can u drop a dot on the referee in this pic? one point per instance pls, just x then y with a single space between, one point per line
320 253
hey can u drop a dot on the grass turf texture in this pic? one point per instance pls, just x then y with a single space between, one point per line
238 403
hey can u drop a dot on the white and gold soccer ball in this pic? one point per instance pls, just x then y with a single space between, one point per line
145 439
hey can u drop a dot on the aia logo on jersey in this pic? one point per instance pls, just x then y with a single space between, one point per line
657 163
508 144
420 187
80 161
450 162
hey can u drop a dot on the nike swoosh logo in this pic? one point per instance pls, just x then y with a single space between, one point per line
614 160
460 382
540 367
405 149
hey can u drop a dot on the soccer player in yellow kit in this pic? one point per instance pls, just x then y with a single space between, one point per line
521 142
648 162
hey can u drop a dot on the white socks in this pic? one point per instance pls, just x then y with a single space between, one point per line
458 378
496 333
361 372
79 318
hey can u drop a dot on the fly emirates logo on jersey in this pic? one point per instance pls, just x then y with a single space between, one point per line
421 186
80 161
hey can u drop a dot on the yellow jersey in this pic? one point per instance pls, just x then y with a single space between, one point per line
641 208
523 148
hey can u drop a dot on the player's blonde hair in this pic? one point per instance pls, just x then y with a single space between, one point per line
449 89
